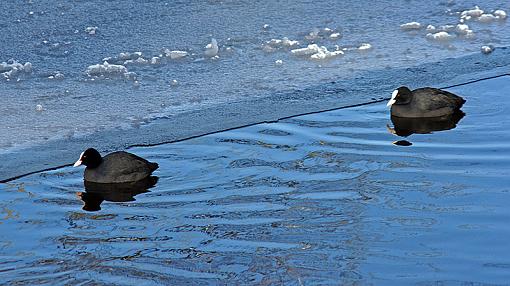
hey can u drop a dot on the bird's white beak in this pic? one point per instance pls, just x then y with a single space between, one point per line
393 98
78 163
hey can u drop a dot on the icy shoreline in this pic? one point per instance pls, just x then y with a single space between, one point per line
367 87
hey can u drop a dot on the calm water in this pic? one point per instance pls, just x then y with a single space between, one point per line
315 200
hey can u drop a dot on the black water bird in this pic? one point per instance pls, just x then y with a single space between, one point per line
423 102
116 167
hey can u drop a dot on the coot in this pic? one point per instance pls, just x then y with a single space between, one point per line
423 102
116 167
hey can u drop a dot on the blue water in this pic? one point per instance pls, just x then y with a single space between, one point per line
322 199
53 37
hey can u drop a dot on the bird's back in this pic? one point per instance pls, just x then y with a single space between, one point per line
120 167
431 102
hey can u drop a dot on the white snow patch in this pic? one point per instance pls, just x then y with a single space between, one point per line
447 28
487 18
365 47
211 50
500 14
469 34
58 75
12 68
278 62
316 52
91 30
323 33
462 29
475 12
410 26
106 69
324 54
430 28
439 36
335 36
138 61
314 34
487 49
285 42
174 55
124 56
309 50
155 60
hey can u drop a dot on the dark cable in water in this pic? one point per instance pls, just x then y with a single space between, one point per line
251 124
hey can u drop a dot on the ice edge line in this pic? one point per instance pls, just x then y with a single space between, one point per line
248 125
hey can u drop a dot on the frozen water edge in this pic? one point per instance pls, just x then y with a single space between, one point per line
369 86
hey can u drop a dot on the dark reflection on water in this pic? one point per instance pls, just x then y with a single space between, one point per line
322 199
402 143
408 126
96 193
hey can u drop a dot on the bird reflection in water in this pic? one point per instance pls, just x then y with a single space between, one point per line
96 193
407 126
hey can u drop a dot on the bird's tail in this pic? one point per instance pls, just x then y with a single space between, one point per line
153 166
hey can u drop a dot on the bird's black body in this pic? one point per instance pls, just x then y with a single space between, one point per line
116 167
424 102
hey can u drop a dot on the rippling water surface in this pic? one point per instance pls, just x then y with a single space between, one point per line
314 200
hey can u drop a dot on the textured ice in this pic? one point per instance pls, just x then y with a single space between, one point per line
431 28
13 68
283 43
324 33
447 28
479 15
463 30
91 30
487 49
314 34
365 47
127 58
155 60
175 54
324 54
138 61
55 42
58 76
316 52
211 50
439 36
107 70
309 50
469 34
335 36
487 18
475 12
500 14
410 26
